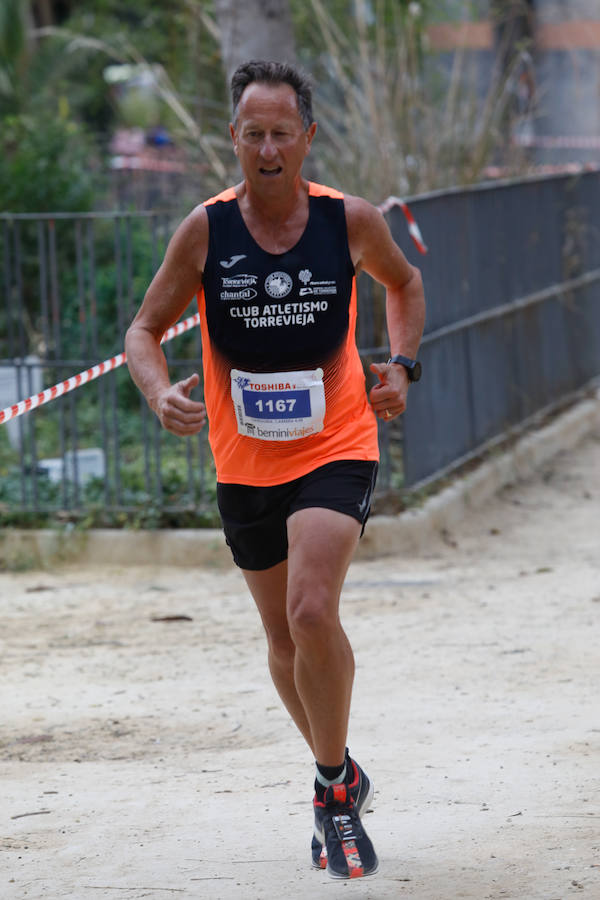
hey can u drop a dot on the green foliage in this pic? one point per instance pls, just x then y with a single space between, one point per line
12 52
177 43
44 165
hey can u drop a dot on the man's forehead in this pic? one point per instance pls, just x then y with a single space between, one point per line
261 98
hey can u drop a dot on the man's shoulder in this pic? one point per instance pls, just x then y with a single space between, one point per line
368 232
360 213
191 236
225 196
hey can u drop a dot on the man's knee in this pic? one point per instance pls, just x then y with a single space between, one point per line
311 615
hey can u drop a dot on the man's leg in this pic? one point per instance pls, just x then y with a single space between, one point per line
312 666
321 545
269 590
310 658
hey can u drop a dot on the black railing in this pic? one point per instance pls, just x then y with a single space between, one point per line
512 281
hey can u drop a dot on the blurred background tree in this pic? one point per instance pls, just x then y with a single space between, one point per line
410 95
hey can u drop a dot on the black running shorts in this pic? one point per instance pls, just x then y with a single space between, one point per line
255 518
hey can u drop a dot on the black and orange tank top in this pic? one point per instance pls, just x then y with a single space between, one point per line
268 313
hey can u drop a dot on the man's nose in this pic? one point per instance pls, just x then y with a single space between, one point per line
268 149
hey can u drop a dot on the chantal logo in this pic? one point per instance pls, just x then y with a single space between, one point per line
278 284
242 294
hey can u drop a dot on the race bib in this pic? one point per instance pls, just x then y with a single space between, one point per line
278 406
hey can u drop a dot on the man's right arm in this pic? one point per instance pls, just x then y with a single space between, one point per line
172 289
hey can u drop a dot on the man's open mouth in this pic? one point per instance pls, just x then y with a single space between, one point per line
271 172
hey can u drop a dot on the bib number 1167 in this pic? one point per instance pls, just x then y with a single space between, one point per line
277 405
280 406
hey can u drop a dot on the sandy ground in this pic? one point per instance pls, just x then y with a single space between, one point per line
146 758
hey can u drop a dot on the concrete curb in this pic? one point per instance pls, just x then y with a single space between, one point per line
410 531
414 529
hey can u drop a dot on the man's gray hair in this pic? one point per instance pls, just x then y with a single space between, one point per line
266 72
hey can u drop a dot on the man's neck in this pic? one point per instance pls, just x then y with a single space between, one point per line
273 209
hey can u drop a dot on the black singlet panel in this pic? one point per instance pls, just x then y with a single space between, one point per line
270 312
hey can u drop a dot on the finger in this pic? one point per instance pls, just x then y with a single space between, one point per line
183 419
379 369
188 385
183 406
183 427
381 395
381 391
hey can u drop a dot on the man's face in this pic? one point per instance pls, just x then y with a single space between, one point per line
269 139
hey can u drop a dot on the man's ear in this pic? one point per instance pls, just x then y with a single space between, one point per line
310 135
233 137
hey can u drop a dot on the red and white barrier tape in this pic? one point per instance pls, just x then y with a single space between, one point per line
63 387
413 228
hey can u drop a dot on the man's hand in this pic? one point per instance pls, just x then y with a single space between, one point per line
388 396
175 410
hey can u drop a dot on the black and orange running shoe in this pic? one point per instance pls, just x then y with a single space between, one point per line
361 790
340 843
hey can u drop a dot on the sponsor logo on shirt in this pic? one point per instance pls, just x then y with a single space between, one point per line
228 263
315 287
238 287
242 294
236 281
278 284
324 287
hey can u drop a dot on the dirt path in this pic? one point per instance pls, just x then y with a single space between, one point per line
147 758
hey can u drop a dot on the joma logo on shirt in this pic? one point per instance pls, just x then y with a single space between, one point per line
228 263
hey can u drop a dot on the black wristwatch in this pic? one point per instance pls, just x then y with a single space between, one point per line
412 366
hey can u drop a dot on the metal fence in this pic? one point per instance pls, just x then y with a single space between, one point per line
70 285
512 282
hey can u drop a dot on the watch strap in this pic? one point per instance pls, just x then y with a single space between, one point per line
412 366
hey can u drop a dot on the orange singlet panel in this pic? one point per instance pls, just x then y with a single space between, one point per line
262 314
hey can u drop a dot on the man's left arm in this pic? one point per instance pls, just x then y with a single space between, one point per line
374 250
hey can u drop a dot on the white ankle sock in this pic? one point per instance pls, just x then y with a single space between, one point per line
324 781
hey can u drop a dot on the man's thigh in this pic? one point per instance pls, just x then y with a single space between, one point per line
255 518
322 543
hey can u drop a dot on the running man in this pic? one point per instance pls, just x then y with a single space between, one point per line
273 262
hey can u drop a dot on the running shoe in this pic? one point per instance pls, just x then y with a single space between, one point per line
340 832
361 790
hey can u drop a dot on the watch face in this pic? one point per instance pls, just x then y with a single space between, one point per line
416 371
